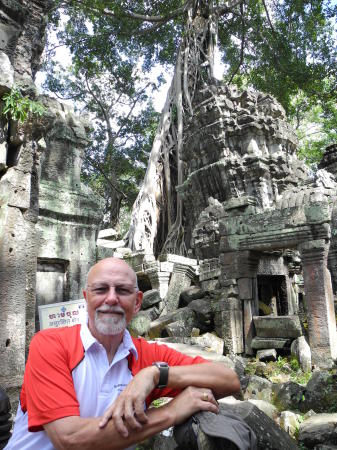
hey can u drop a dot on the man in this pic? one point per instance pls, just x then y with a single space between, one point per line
86 387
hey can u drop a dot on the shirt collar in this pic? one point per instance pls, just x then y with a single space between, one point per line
89 340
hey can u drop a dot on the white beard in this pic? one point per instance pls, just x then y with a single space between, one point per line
109 325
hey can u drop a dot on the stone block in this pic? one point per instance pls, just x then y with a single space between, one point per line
318 429
178 259
263 343
178 282
266 355
265 407
153 313
301 351
277 326
178 329
203 312
288 396
158 325
210 342
150 298
289 421
258 388
107 243
189 294
321 393
139 325
209 285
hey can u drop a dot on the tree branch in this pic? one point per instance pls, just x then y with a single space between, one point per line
99 168
147 18
268 17
99 103
132 107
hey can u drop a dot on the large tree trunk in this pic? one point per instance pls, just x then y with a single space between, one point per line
157 222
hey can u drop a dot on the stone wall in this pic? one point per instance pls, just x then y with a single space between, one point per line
22 26
48 219
69 213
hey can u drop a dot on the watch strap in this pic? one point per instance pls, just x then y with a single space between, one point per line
163 373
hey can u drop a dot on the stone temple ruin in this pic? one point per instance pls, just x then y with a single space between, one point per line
261 229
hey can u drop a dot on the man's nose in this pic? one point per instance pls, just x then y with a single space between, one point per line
112 297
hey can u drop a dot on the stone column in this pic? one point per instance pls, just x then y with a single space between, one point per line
319 302
184 270
228 318
159 280
242 267
158 273
247 289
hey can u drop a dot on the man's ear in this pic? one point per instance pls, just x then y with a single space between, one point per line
138 303
85 294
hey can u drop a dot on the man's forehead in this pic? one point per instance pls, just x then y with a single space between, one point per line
107 270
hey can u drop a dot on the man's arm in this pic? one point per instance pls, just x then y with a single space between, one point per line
128 408
71 433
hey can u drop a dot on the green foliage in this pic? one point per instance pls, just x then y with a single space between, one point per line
294 364
315 123
20 107
287 46
281 370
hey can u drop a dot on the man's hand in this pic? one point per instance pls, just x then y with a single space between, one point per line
127 411
191 400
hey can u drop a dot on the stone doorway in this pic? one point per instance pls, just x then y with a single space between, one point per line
52 284
272 295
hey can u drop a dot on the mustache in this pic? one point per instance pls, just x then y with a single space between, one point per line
111 309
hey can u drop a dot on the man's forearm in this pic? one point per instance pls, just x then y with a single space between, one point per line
71 433
215 376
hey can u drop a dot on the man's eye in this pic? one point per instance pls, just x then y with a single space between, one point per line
100 290
121 290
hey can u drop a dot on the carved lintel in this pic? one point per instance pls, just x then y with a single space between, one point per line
239 264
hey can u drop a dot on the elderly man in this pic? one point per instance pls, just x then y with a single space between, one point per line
87 386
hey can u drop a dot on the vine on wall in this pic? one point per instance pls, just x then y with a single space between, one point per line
19 107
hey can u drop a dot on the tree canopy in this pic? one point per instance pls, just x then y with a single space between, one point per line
286 48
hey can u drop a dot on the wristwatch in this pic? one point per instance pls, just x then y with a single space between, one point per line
163 373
